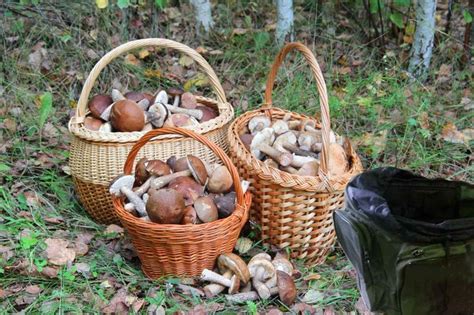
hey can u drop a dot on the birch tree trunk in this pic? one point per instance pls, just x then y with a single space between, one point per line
422 48
202 10
284 29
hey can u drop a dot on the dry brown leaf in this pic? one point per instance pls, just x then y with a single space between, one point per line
467 103
468 134
9 124
314 276
33 289
80 248
57 252
444 70
50 272
450 133
424 120
201 50
239 31
113 228
132 60
143 53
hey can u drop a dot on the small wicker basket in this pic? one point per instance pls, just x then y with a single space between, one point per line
293 211
183 250
97 157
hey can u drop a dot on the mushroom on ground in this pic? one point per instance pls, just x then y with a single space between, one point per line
261 270
220 180
98 104
206 209
234 263
165 206
127 116
258 123
214 289
233 283
286 288
122 186
281 262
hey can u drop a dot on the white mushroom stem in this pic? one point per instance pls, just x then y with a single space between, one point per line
298 151
214 289
247 296
282 158
145 197
298 161
144 187
144 104
196 113
136 200
130 207
211 276
262 289
161 97
117 95
106 127
176 101
162 181
289 169
106 113
245 185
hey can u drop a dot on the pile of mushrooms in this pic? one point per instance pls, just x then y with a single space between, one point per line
134 111
261 278
179 191
294 146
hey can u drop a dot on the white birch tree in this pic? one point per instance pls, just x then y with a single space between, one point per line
202 10
422 49
285 20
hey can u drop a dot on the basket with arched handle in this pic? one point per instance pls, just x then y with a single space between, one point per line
183 250
293 211
96 157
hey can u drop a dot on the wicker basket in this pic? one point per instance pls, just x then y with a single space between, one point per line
97 157
183 250
293 211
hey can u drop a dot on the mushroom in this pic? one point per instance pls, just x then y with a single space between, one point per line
261 144
234 263
280 127
196 113
180 164
106 127
220 180
248 296
287 138
162 113
176 93
310 168
286 287
171 161
337 160
207 113
147 127
92 123
188 101
180 120
162 181
197 168
282 263
299 161
214 289
157 168
233 283
98 104
310 141
206 209
141 173
246 139
225 204
189 215
190 189
165 206
117 95
140 98
127 116
298 151
122 186
261 269
258 123
161 98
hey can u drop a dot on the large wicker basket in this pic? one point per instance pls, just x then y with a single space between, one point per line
293 211
97 157
183 250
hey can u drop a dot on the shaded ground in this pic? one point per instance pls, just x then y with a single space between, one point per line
49 48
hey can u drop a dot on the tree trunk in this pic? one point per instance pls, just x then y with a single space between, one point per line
284 29
422 48
202 10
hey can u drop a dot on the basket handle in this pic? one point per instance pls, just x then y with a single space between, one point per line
321 85
128 167
158 42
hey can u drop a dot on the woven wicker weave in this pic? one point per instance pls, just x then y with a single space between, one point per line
97 157
293 211
183 250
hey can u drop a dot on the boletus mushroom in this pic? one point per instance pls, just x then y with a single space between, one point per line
207 113
165 206
98 104
92 123
286 287
206 209
190 189
141 173
127 116
190 216
220 180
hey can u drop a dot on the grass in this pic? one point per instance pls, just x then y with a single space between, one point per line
393 121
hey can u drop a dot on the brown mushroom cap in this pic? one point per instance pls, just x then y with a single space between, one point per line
190 189
92 123
207 113
225 204
206 209
234 263
246 139
171 161
286 288
134 96
158 168
188 100
141 173
98 104
181 164
197 168
178 120
220 180
173 91
337 159
127 116
165 206
149 97
190 216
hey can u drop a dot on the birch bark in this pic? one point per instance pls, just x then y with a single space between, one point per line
285 20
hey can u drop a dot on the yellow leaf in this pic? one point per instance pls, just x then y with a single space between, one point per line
132 60
185 61
102 4
142 54
152 73
198 80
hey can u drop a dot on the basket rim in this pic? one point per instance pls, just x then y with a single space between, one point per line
226 114
279 177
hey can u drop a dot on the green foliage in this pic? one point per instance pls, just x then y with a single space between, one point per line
261 39
46 105
161 4
467 16
123 4
397 19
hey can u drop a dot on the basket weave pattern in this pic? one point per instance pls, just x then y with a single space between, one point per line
183 250
97 157
293 211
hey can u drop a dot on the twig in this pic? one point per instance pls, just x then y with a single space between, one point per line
381 25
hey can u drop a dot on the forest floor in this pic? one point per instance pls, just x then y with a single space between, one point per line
48 49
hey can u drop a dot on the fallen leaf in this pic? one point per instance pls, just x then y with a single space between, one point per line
143 53
132 60
314 276
239 31
186 61
84 269
39 59
198 310
450 133
201 50
54 220
152 73
120 303
9 124
313 296
33 289
50 272
84 237
92 54
198 80
80 248
467 103
113 228
57 252
303 308
445 70
468 134
424 120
